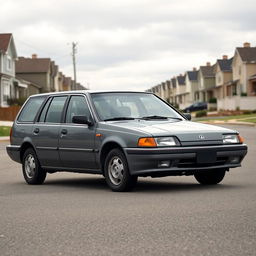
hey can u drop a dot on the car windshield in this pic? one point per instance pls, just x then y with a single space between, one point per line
128 106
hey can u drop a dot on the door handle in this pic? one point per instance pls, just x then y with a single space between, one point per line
64 131
36 130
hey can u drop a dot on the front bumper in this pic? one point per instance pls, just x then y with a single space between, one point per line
14 152
183 160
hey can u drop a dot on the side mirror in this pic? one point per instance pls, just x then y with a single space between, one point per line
81 120
187 115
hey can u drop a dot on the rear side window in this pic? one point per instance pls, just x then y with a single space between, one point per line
55 110
30 110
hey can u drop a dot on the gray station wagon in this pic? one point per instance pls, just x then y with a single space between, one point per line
121 135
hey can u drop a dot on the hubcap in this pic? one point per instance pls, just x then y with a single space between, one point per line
116 170
30 166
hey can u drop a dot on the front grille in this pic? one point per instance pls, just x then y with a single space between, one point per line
191 163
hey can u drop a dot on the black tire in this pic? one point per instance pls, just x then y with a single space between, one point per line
32 171
117 173
210 177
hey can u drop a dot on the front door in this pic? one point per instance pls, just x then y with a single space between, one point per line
76 141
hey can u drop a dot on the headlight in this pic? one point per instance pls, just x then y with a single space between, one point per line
158 142
167 141
232 138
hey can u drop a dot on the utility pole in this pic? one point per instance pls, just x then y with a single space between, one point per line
74 51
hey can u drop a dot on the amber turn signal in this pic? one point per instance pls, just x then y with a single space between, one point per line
147 142
241 139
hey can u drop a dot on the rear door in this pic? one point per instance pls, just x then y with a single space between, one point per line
46 131
76 142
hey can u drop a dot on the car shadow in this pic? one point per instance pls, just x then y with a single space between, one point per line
143 185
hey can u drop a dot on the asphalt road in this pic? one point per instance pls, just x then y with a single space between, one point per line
75 214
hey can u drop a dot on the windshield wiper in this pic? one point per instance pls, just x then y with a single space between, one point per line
154 117
160 117
119 118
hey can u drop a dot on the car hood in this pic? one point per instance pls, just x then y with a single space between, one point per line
185 131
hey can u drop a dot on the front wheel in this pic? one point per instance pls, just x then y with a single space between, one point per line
32 171
212 177
117 173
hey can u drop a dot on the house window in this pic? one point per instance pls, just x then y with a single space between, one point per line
9 63
6 91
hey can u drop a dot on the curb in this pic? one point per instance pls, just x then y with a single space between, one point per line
4 138
229 123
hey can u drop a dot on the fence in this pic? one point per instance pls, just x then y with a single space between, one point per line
9 113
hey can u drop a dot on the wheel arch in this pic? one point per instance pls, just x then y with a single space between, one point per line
106 148
25 145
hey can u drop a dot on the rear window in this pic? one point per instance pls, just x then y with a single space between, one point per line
30 110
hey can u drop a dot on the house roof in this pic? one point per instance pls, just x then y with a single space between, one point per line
207 71
247 54
28 65
181 80
173 82
4 42
192 75
28 82
225 64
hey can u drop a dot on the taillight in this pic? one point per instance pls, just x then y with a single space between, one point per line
11 135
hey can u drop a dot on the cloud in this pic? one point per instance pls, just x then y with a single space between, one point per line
129 44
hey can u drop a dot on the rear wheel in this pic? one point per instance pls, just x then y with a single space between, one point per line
212 177
117 173
32 171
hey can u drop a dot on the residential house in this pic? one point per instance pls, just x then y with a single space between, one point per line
241 90
25 88
192 87
223 77
181 93
173 91
41 71
8 55
206 80
67 83
244 66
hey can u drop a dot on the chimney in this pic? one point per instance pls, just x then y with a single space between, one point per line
194 68
225 57
208 64
34 56
247 45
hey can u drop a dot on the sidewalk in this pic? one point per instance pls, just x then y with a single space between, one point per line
230 122
6 123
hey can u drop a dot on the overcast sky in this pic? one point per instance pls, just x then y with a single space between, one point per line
129 44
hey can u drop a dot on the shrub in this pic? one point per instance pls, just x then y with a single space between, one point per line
16 101
212 100
201 113
247 112
243 94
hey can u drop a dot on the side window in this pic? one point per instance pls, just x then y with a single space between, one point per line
55 110
44 111
77 107
30 110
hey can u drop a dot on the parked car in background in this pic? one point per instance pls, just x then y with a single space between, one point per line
121 135
195 107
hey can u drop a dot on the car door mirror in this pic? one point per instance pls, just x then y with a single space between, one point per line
81 120
188 116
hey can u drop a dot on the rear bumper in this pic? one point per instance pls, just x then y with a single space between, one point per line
183 160
14 152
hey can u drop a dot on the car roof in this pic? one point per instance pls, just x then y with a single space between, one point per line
87 92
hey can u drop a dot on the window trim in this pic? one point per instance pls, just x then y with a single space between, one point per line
66 108
62 112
